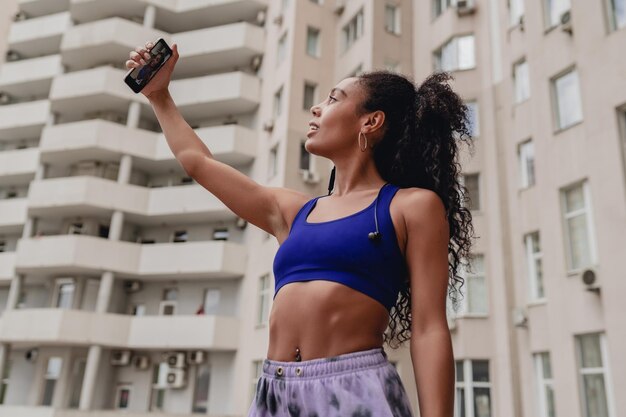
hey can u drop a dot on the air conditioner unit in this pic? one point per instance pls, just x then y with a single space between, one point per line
132 285
260 17
5 98
175 359
279 19
340 6
255 64
520 319
310 177
465 7
268 126
196 357
141 362
19 16
120 357
590 280
176 378
566 22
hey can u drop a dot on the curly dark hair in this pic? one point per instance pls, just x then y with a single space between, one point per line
422 131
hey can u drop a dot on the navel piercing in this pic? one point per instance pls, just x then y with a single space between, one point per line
298 357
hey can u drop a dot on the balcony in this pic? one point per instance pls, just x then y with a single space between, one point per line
7 266
218 48
77 93
99 197
30 77
12 215
22 120
40 35
37 8
173 16
18 166
80 254
84 328
103 140
102 89
104 42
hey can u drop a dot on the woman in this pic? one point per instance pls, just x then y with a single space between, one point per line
348 261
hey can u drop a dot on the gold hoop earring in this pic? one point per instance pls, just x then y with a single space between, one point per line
359 139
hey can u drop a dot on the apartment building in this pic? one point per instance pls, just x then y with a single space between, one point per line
126 287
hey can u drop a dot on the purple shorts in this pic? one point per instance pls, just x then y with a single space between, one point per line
355 384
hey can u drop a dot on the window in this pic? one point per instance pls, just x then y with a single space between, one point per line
257 371
471 182
282 47
159 382
392 19
352 31
64 293
526 154
273 162
545 384
566 92
474 300
577 219
473 388
593 370
440 6
122 396
201 389
211 301
53 371
264 299
473 118
456 54
553 9
284 4
516 11
521 80
180 236
309 96
313 42
305 157
3 245
278 100
534 266
617 14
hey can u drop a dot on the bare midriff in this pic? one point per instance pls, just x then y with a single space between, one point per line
322 319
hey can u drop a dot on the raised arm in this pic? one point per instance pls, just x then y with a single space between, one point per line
270 208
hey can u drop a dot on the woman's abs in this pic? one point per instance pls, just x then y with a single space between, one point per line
318 319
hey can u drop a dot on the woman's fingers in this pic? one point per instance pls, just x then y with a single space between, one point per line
139 56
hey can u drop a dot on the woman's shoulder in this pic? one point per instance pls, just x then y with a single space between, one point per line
419 204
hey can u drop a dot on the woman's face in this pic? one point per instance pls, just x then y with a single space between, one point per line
338 123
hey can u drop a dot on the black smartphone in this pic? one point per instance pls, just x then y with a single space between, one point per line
137 78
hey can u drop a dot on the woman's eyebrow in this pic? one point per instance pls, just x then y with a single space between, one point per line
340 90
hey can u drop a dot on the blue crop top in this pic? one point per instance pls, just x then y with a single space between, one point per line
339 250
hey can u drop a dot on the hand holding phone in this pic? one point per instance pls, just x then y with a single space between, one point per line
151 67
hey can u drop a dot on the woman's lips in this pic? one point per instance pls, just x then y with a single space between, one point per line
311 132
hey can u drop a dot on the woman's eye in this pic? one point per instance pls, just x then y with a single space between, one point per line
331 97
